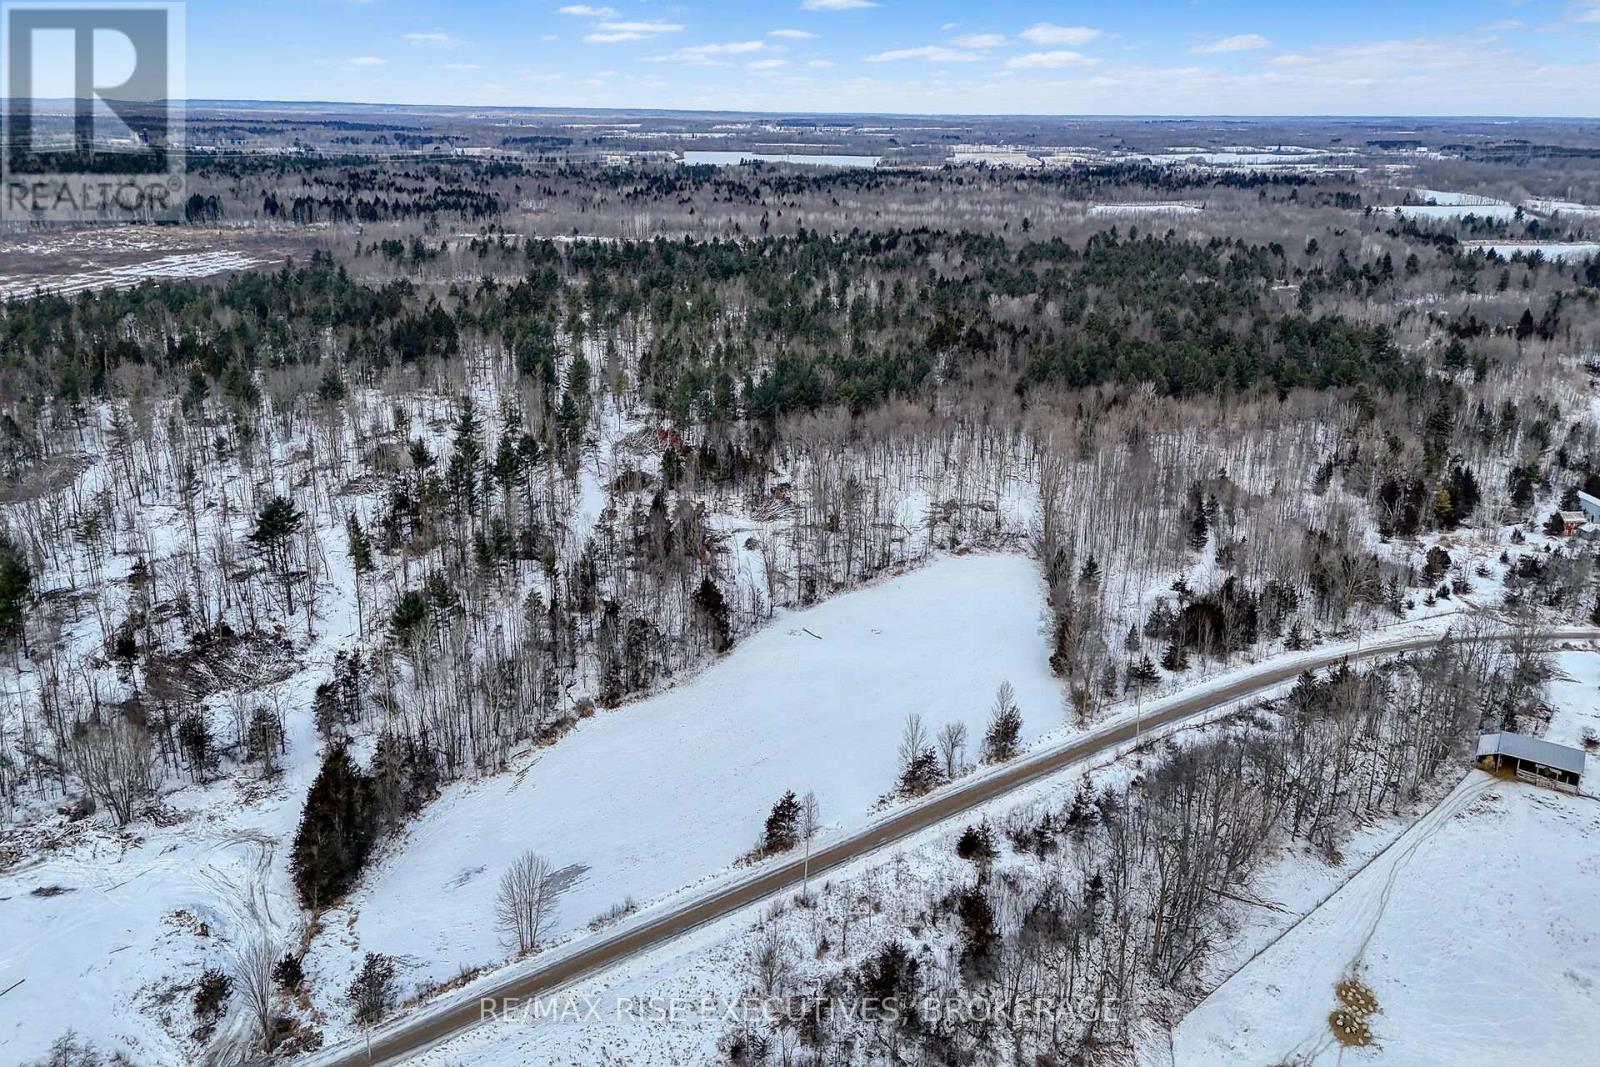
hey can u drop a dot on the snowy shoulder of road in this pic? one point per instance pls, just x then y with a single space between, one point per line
1474 931
657 795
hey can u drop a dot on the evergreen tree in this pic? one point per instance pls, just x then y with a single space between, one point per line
1175 658
1142 673
1296 639
360 545
410 613
713 610
336 831
371 993
276 524
782 830
16 586
980 938
1004 732
461 475
976 846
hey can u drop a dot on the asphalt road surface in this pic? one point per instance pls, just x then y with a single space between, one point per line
410 1035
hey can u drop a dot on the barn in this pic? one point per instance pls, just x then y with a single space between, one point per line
1532 760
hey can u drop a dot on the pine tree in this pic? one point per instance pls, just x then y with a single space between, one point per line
462 473
1199 531
783 824
372 991
713 610
336 830
16 585
1296 640
360 561
1142 673
1004 733
278 521
1175 658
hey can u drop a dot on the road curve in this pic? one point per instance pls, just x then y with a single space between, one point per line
409 1035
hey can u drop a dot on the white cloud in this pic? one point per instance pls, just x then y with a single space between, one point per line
588 11
1239 42
611 31
706 51
1048 33
1048 60
818 64
979 40
462 66
366 61
650 27
767 64
1586 12
933 53
792 35
436 39
836 5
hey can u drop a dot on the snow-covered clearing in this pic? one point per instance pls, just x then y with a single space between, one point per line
123 276
610 1020
815 159
656 795
1563 207
1547 249
1470 930
1453 211
1451 199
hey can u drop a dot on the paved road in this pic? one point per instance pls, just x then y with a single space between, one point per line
410 1035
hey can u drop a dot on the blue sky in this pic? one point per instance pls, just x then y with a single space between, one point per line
1450 57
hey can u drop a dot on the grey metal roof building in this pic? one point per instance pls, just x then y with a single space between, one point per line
1532 759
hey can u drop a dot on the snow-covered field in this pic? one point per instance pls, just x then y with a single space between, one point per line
659 794
125 275
1563 207
1454 211
1453 199
1547 249
1472 931
1482 996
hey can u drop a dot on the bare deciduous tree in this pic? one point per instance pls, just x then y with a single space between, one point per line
252 977
522 911
115 762
953 747
810 823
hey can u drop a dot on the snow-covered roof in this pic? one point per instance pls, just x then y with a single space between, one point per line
1574 516
1589 505
1544 753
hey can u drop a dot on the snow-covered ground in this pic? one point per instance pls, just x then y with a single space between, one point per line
1473 932
1454 211
1445 198
607 1019
125 275
1563 207
1547 249
659 794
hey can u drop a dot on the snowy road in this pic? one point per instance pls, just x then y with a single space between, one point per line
409 1035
